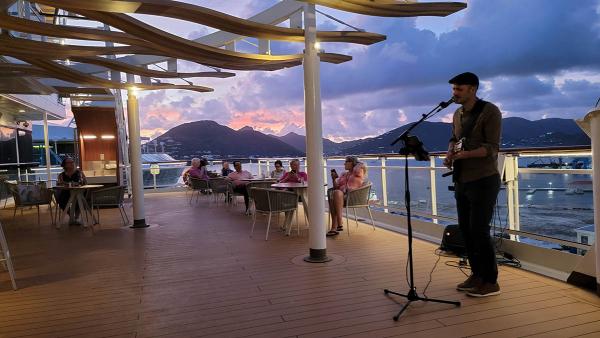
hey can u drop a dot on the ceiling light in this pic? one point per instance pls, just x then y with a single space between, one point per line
21 110
89 137
107 137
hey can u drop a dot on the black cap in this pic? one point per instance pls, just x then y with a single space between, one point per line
467 78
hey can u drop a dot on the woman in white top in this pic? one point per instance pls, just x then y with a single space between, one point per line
279 171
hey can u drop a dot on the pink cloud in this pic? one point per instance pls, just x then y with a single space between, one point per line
269 121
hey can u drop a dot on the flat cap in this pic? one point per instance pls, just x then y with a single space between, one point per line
467 78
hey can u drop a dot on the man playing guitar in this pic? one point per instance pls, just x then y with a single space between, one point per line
473 156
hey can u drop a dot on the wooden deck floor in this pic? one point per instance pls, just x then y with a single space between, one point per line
197 273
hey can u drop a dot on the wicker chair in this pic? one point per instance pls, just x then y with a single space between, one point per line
271 201
29 195
219 186
198 186
109 197
355 199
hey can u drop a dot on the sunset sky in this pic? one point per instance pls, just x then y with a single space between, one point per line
536 59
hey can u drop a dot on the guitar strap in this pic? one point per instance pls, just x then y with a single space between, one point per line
466 129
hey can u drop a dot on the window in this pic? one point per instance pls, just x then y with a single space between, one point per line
584 239
25 146
8 145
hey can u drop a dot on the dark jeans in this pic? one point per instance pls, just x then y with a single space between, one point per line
63 198
241 189
475 203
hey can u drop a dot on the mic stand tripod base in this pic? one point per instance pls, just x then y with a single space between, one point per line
413 296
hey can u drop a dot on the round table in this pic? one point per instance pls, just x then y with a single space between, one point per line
77 199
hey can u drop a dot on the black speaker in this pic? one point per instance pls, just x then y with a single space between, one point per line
453 241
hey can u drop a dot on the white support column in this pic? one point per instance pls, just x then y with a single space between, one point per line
135 151
314 140
594 123
47 152
433 185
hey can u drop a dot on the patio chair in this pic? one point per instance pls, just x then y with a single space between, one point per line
271 201
257 184
219 186
198 186
30 195
109 197
4 190
355 199
6 259
233 194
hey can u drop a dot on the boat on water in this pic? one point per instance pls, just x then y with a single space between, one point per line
574 191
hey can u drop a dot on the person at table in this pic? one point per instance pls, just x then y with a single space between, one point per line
239 185
226 170
294 175
279 171
70 176
352 179
197 170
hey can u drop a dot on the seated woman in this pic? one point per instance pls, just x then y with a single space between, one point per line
197 170
353 178
279 171
70 176
294 175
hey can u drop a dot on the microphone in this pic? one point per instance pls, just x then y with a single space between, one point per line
448 174
447 103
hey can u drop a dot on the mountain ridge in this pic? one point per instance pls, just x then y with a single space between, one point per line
208 138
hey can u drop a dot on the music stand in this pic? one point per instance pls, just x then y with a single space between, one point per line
413 146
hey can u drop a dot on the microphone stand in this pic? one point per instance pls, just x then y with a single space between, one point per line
412 146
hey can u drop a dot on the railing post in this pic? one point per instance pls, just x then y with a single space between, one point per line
384 194
517 215
268 169
510 177
259 168
433 187
325 173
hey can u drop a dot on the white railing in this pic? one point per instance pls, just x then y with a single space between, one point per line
535 203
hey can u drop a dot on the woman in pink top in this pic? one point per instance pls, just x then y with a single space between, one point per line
197 170
353 178
294 175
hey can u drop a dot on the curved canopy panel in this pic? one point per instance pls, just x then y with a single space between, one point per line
141 44
214 19
392 8
64 73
